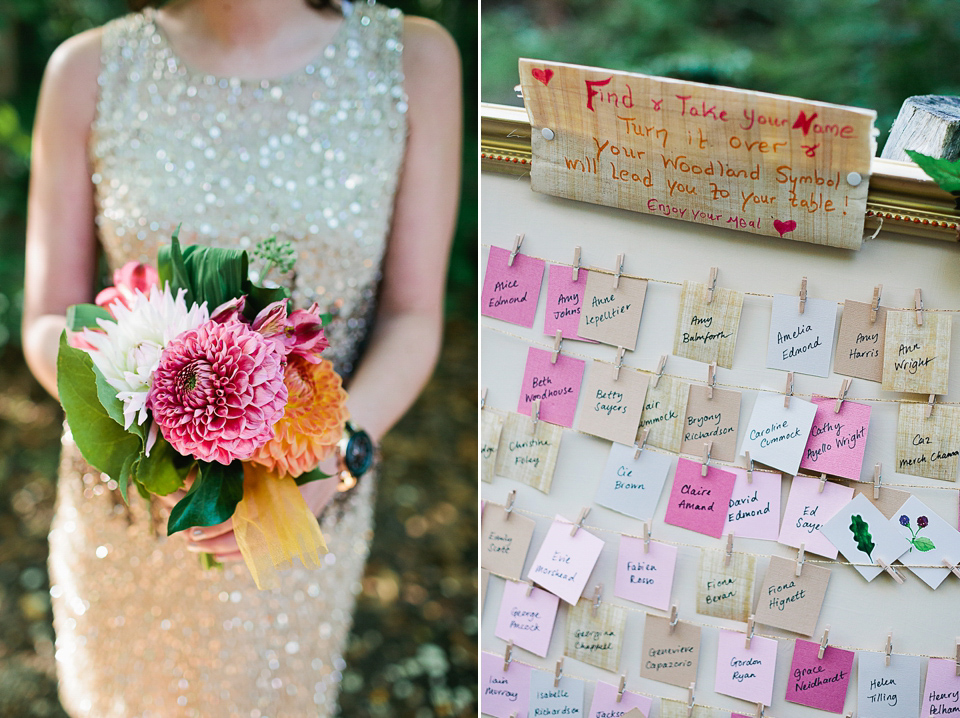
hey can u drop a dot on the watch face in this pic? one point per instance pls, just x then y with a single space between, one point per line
358 456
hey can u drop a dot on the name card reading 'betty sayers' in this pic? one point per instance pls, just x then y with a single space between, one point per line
888 691
759 163
928 447
595 635
789 601
527 453
707 332
725 590
670 655
613 402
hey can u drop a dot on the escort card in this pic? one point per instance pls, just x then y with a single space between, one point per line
754 507
801 342
777 436
889 502
527 620
929 539
745 673
504 540
528 454
888 691
612 404
928 447
708 332
564 298
789 601
860 343
511 293
663 413
699 503
631 485
916 359
819 683
837 440
941 692
807 510
564 562
491 425
670 657
595 636
679 709
864 536
609 315
725 591
645 578
557 386
565 699
605 704
503 693
714 420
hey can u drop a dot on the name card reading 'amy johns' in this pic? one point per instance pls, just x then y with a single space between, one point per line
527 615
645 576
888 691
807 510
697 502
860 342
746 673
801 342
916 359
564 562
725 590
670 656
707 332
595 635
563 699
491 425
555 384
941 691
613 402
503 693
511 293
928 446
837 439
632 484
711 419
789 601
606 704
759 163
819 682
527 453
504 540
777 435
564 299
612 314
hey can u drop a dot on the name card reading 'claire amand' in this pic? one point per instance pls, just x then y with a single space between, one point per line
754 162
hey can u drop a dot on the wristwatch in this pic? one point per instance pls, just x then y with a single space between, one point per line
356 453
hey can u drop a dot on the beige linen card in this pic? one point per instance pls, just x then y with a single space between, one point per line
663 412
670 657
609 315
888 503
928 447
916 359
714 420
679 709
860 343
789 601
611 407
491 425
527 454
596 638
708 332
725 591
504 541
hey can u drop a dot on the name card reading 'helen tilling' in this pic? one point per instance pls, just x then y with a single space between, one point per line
760 163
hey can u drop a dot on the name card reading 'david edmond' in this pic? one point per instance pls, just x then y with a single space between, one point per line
755 162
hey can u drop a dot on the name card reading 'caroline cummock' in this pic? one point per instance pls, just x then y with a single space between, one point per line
759 163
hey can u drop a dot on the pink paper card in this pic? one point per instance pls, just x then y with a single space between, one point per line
754 507
564 562
819 683
527 620
746 673
511 293
837 439
557 386
808 511
605 704
564 299
503 693
645 578
941 691
699 503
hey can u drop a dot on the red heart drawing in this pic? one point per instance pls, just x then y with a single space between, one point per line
542 75
784 227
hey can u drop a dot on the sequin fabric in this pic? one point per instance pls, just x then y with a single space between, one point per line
313 158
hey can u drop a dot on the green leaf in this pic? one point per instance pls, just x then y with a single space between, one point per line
211 500
161 473
208 561
861 532
260 297
307 476
944 172
129 469
82 316
215 274
923 544
171 268
101 440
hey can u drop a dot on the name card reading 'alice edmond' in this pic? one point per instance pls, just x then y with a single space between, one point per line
759 163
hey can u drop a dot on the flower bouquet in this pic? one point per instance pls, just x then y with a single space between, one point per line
192 371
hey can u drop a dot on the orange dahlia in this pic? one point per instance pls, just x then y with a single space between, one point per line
312 422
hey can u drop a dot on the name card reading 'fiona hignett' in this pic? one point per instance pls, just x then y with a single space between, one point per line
760 163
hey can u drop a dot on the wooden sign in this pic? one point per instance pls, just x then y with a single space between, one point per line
750 161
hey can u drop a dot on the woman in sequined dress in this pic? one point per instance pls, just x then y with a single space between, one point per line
336 128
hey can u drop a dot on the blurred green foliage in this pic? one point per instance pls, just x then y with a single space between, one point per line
866 53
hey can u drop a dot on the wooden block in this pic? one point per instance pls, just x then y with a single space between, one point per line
926 123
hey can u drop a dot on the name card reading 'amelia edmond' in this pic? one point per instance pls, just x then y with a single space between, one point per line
759 163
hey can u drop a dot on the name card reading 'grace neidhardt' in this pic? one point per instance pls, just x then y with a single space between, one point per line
754 162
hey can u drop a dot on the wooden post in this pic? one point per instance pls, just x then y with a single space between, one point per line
927 123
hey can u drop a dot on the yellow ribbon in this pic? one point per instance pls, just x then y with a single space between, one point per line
272 524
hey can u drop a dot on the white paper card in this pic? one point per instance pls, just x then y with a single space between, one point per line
566 699
929 540
633 486
801 342
888 691
776 436
863 535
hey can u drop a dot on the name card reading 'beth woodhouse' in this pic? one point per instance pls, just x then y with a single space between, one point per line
755 162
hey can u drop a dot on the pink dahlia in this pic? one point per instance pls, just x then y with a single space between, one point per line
218 391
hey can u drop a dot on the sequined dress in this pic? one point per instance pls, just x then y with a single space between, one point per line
312 157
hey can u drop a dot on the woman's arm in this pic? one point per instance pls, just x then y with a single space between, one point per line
61 244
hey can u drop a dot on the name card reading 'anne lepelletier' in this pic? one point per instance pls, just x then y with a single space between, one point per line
755 162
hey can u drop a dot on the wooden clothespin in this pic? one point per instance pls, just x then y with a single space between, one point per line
529 587
616 276
535 413
877 477
888 649
803 294
557 343
690 692
646 537
623 684
660 366
750 630
517 241
788 390
746 456
483 398
760 709
705 466
954 569
558 673
928 411
583 514
958 656
875 304
674 617
619 364
823 483
711 379
823 643
507 656
844 388
918 305
711 285
596 599
641 442
729 556
511 498
800 559
576 264
892 570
